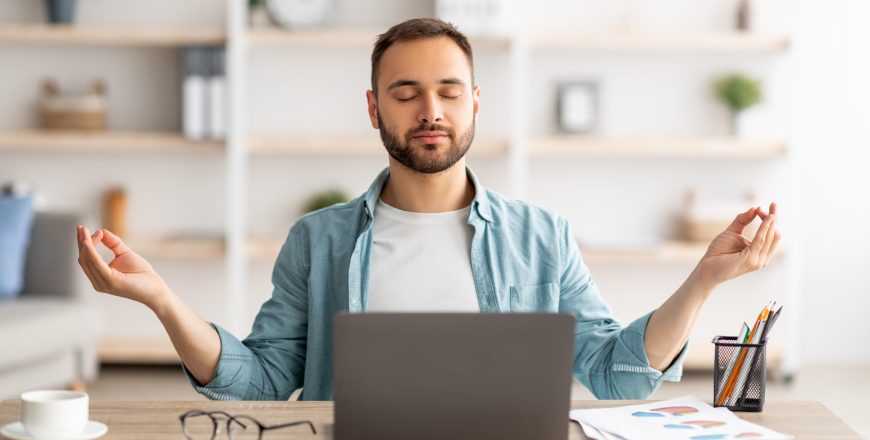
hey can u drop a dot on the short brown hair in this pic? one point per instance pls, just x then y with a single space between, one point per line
417 29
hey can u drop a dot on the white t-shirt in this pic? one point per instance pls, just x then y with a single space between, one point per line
421 262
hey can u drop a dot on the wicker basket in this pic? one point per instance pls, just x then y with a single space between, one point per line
72 120
704 219
69 111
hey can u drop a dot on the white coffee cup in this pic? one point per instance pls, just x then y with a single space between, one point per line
54 414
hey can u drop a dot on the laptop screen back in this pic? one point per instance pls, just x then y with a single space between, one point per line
456 376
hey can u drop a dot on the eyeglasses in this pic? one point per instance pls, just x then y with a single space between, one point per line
206 425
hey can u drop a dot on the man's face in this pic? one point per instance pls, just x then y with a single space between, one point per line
426 105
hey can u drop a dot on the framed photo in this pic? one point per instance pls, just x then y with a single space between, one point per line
578 107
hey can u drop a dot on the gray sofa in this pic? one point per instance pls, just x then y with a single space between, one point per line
49 334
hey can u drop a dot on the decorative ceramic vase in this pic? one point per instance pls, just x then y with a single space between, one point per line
737 124
61 11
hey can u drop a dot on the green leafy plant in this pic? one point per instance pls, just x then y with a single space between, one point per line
738 92
326 198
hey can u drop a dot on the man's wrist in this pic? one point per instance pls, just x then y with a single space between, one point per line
161 302
700 282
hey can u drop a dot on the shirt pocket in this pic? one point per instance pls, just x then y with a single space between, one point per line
535 298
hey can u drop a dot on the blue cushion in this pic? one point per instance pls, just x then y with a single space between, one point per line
16 218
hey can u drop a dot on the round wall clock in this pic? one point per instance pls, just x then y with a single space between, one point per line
299 13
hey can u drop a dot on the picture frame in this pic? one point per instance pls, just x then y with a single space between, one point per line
578 106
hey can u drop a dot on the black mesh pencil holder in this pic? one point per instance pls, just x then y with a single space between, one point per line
739 372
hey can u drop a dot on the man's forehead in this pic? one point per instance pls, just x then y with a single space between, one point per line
425 61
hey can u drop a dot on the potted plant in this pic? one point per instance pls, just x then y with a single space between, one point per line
738 92
323 199
258 17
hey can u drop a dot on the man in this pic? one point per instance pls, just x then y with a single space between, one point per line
427 236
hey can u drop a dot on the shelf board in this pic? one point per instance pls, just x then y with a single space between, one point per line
178 247
96 35
689 148
349 146
662 41
102 142
159 351
343 38
666 252
265 248
140 350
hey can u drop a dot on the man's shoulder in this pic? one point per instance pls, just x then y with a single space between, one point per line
505 208
331 219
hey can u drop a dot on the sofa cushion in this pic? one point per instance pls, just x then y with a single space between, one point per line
42 327
16 218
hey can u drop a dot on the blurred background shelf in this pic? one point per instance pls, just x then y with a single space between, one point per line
342 38
619 41
159 351
667 42
103 142
152 351
178 247
670 251
94 35
689 148
264 248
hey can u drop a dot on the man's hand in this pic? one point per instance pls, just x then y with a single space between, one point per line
731 254
128 275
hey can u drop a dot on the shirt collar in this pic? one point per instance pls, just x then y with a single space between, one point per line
480 202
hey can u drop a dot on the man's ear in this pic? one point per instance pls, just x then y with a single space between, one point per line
475 96
373 108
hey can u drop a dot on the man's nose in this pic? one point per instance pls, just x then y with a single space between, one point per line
431 111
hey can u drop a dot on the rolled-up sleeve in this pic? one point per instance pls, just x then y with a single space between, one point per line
270 363
609 359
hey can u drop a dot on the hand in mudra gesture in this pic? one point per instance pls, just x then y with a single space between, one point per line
128 275
731 254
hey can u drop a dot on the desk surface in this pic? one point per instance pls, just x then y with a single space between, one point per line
131 420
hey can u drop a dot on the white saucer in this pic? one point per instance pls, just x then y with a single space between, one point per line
16 431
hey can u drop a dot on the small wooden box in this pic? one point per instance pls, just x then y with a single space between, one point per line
72 120
72 111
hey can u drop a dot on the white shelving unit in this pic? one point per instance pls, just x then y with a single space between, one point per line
88 36
518 145
112 142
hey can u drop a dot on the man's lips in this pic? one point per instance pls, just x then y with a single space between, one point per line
430 137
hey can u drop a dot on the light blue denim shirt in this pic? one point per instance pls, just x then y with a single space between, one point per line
523 258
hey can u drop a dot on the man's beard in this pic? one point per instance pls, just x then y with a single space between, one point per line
416 158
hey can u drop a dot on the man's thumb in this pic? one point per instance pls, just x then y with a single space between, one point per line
742 219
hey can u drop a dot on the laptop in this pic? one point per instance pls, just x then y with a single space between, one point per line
400 376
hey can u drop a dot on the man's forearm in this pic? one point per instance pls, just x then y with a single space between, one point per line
195 340
669 326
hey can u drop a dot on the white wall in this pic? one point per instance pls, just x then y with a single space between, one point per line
832 134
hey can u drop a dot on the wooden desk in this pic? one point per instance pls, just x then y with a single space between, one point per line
131 420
